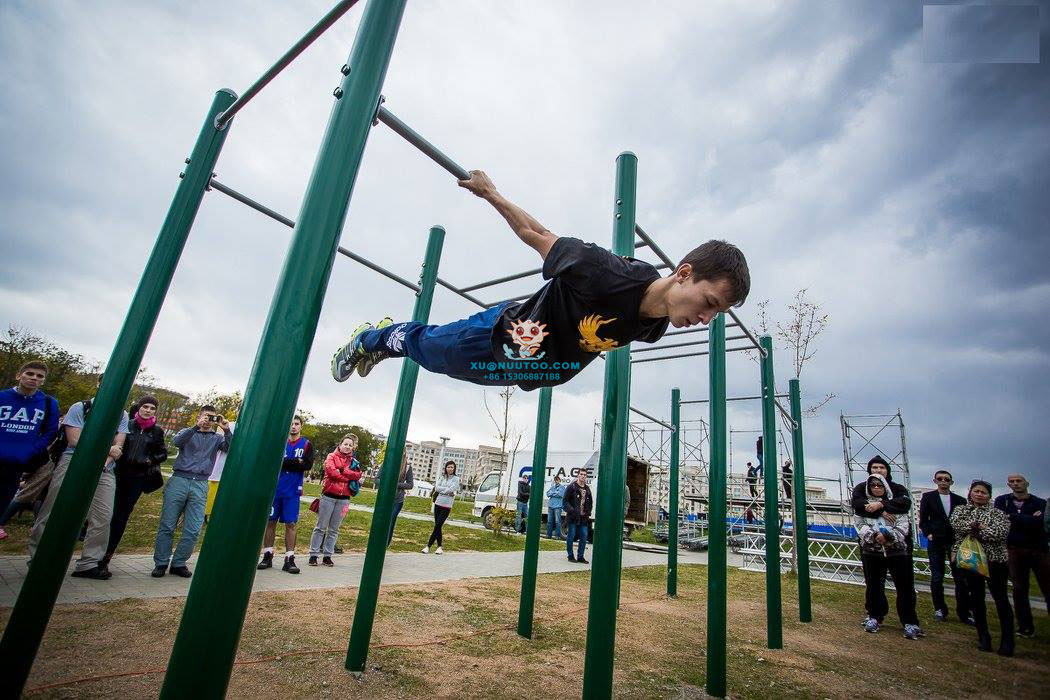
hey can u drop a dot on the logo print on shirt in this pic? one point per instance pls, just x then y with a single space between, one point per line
589 339
527 335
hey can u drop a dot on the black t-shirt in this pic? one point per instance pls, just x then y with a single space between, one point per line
589 306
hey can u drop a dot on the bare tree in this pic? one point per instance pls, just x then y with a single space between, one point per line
806 321
505 432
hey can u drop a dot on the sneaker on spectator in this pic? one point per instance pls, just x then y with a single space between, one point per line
871 625
1027 633
426 550
440 550
313 560
940 615
912 632
327 561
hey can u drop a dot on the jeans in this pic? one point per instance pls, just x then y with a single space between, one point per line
901 568
997 579
398 505
554 521
186 497
330 516
937 553
577 530
522 514
129 489
449 349
97 536
1023 562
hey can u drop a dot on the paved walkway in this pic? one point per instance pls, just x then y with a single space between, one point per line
131 577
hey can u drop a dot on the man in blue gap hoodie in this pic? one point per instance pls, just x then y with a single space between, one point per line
28 424
187 490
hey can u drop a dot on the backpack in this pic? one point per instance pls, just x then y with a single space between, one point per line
61 442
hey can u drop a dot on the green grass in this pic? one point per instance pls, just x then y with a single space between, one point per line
409 535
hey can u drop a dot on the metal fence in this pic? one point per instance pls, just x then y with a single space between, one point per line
830 559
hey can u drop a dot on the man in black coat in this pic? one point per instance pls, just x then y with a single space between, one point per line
578 504
1026 547
935 508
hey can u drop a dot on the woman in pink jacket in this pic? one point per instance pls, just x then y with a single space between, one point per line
340 468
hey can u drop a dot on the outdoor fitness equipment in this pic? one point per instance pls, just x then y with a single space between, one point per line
203 654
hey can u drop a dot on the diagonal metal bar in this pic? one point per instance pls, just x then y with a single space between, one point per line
750 335
317 30
428 149
654 420
655 248
501 280
263 209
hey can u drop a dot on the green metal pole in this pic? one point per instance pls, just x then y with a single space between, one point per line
527 600
716 513
672 515
379 533
801 525
206 643
771 510
36 599
612 469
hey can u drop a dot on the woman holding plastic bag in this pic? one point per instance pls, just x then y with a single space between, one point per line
980 551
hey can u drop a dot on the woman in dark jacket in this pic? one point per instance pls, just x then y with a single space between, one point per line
989 526
143 453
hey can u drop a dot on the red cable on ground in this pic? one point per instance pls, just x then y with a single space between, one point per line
308 652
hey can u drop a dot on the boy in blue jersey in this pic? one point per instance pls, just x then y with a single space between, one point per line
594 301
28 424
298 459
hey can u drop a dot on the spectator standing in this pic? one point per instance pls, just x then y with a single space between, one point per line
340 468
990 527
28 424
144 450
752 479
298 458
935 510
787 474
521 515
216 474
1026 548
96 537
578 502
186 492
884 547
405 483
555 498
445 491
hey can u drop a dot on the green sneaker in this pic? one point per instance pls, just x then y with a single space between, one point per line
371 359
346 358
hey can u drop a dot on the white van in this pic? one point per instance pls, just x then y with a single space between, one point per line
566 465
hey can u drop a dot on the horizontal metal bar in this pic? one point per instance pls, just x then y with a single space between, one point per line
734 398
430 150
698 329
318 29
655 248
654 420
640 244
689 354
501 280
520 297
263 209
682 345
462 293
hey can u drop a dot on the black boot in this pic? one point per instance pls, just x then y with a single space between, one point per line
984 642
267 561
1006 644
289 565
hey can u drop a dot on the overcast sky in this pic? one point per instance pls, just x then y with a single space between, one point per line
828 140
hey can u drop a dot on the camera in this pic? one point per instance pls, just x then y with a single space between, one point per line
212 417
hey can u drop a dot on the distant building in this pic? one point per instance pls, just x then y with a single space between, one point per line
426 459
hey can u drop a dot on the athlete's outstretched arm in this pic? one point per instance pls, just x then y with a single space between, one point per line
532 232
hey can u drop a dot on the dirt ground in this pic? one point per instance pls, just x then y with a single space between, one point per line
457 640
